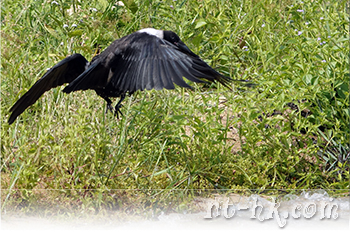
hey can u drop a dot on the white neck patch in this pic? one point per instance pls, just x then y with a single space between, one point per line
152 31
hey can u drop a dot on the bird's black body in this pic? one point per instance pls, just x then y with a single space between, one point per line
147 59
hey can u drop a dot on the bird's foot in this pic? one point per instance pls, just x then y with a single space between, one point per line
117 110
109 107
118 106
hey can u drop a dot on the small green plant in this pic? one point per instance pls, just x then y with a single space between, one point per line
335 154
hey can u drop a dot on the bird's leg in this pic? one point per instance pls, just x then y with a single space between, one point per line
118 106
109 104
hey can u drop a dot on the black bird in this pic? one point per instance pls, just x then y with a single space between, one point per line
146 59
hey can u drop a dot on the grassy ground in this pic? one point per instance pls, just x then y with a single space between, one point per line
65 155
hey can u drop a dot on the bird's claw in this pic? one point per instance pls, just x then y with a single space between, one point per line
110 108
117 110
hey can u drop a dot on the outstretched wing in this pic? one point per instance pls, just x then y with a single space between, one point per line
138 62
64 72
158 64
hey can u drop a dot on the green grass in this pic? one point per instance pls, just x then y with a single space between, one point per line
65 153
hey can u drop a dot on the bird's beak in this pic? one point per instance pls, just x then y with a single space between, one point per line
184 48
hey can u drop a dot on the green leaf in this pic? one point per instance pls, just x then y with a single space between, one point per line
52 31
162 171
200 23
75 33
131 5
307 79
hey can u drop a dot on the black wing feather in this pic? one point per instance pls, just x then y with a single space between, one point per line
156 63
168 84
91 78
64 72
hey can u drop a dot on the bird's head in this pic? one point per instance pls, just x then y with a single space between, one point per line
173 38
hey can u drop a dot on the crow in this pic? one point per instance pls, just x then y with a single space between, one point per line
146 59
